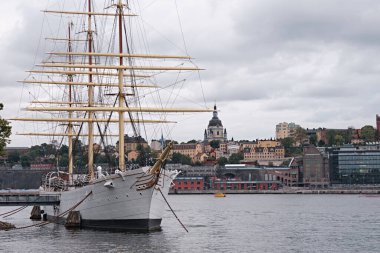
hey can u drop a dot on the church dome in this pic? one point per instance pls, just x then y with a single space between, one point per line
215 121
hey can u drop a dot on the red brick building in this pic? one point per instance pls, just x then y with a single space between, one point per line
188 183
237 184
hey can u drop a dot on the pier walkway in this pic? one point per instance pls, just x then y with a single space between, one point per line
26 198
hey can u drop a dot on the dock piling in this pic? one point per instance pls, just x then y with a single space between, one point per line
36 213
73 220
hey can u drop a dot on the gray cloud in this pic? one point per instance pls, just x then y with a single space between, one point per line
313 62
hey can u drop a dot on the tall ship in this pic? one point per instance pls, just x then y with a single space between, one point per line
98 84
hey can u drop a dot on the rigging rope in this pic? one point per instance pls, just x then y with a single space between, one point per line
13 211
40 224
180 26
171 209
20 209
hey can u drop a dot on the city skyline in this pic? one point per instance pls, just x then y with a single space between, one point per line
309 62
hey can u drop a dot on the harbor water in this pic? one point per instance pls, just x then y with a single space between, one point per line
236 223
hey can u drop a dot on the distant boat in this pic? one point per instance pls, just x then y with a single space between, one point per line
219 195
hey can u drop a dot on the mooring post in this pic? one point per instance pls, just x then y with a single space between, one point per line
6 225
73 220
36 213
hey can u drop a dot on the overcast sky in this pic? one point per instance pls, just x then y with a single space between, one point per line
312 62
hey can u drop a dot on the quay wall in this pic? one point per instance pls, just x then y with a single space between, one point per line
298 191
20 179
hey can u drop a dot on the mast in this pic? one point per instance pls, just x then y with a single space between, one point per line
68 63
70 124
121 93
90 98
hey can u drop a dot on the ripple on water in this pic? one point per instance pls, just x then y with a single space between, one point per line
239 223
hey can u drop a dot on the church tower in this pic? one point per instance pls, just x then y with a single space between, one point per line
215 130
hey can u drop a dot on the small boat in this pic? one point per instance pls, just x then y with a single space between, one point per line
219 195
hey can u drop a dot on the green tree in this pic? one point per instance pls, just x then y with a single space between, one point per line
79 156
64 149
236 158
215 144
368 133
78 148
313 139
144 157
331 137
99 158
287 143
179 158
321 143
348 136
14 157
192 141
339 140
5 132
25 161
197 163
222 161
35 152
168 141
48 149
300 135
63 160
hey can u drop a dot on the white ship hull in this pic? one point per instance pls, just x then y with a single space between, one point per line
116 202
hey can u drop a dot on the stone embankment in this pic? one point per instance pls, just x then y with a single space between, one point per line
372 192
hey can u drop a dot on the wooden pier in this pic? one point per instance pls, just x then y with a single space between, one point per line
27 198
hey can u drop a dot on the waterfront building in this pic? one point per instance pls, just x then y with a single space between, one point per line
188 183
193 171
291 176
21 179
315 167
215 130
284 130
355 164
238 184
